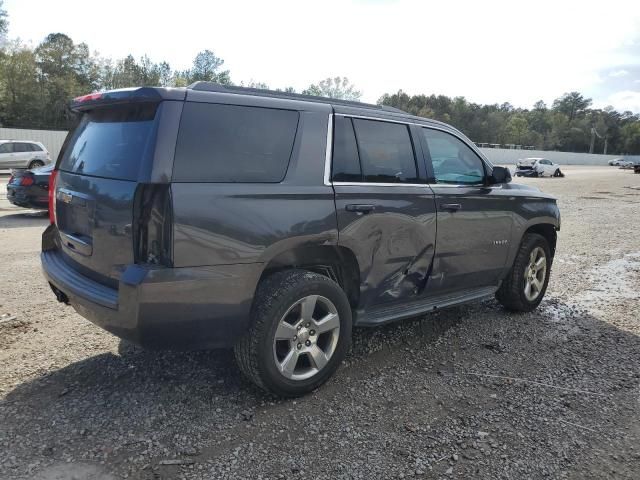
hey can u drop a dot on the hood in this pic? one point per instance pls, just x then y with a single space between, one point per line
528 190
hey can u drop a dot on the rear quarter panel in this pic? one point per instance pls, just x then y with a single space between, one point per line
232 223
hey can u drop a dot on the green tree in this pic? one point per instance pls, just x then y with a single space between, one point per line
337 87
517 128
20 104
4 23
206 67
571 104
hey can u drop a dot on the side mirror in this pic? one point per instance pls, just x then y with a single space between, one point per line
500 175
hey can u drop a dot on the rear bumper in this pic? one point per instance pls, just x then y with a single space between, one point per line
22 197
164 308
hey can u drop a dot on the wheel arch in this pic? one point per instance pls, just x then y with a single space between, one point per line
336 262
548 231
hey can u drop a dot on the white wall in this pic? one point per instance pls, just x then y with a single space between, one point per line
51 139
502 156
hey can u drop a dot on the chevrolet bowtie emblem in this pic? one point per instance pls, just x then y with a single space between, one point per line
65 197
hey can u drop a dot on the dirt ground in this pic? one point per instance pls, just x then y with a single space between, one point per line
471 392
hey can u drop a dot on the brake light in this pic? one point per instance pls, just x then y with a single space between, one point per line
88 98
52 196
27 181
152 224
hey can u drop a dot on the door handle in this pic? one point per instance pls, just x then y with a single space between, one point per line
360 207
450 207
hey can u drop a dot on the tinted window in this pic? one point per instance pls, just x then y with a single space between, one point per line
230 143
453 161
35 148
111 143
386 153
6 147
21 147
346 165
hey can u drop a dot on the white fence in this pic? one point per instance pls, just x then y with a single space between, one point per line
503 156
51 139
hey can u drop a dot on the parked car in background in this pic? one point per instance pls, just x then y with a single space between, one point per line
616 162
30 188
537 167
23 154
275 222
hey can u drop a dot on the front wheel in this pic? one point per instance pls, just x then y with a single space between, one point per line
525 285
299 334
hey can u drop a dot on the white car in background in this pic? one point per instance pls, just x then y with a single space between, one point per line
616 162
537 167
23 154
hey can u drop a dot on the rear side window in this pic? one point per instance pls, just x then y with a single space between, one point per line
35 148
231 143
111 143
21 147
386 152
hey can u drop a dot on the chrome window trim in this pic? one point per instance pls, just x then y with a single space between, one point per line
376 184
329 155
328 152
471 145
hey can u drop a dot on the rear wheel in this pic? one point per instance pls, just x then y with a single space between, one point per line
300 332
35 164
526 283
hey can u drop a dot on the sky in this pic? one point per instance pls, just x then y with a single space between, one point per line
489 52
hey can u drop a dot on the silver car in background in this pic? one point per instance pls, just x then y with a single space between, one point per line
23 154
537 167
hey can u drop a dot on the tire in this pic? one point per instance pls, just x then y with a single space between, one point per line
512 293
558 173
278 309
35 164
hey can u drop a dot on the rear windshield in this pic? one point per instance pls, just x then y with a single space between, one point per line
231 143
111 143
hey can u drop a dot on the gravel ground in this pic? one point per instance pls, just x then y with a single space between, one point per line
473 391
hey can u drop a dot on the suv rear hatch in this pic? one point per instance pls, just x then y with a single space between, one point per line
104 204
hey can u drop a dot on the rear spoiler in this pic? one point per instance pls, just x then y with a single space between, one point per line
126 95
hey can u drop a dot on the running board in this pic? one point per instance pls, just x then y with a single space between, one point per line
386 314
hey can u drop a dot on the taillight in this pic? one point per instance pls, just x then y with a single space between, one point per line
27 181
88 98
52 196
152 224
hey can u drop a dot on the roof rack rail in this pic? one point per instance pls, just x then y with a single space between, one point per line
263 92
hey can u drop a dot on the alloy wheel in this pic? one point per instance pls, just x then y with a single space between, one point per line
535 274
306 337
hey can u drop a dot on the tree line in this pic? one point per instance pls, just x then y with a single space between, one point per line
569 124
36 84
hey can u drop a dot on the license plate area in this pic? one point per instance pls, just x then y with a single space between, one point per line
75 219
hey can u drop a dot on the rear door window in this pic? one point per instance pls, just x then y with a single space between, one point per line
111 142
346 164
386 151
232 143
21 147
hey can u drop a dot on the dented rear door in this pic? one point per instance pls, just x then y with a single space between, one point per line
386 214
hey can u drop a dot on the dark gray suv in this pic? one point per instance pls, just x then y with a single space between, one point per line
213 216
